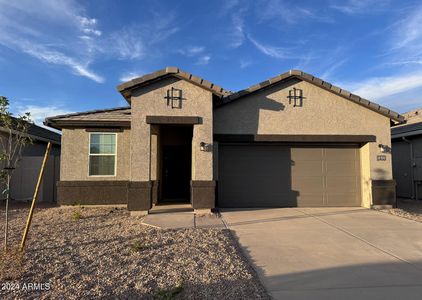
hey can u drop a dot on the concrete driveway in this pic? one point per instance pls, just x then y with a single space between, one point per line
331 253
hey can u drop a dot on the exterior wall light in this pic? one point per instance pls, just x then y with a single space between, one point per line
384 148
205 147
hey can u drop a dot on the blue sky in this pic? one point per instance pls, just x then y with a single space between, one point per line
65 56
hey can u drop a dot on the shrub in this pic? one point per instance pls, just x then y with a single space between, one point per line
168 294
77 212
137 246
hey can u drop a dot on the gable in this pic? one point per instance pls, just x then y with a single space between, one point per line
268 111
317 82
126 88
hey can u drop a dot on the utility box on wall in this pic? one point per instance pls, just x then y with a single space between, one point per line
384 192
417 167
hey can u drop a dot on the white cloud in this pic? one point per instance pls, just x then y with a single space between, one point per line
279 10
228 5
39 113
407 62
138 41
192 50
381 87
62 33
407 37
244 63
237 34
127 44
54 57
88 25
130 75
332 68
51 32
353 7
196 50
204 60
272 51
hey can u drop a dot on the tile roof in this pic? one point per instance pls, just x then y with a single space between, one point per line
118 114
406 130
43 133
413 116
126 87
121 115
40 133
318 82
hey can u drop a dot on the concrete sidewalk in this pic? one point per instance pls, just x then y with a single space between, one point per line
179 220
331 253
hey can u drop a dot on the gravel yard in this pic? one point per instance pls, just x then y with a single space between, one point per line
406 208
104 253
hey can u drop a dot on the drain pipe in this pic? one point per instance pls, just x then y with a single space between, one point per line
411 164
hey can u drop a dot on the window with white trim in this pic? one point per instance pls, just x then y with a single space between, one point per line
102 154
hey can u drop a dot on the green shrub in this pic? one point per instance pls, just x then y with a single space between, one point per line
77 212
168 294
77 215
137 246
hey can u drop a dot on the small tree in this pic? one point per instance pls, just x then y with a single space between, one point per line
13 141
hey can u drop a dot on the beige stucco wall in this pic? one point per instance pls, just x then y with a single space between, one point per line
269 112
150 101
75 156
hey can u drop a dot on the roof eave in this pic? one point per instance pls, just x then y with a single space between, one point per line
126 88
60 124
320 83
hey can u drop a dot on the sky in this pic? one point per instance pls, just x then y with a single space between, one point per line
65 56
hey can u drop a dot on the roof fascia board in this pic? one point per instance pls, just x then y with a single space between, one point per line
32 137
319 83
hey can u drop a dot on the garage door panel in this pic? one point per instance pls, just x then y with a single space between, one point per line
261 184
340 167
308 184
309 200
263 175
307 168
345 154
306 154
347 199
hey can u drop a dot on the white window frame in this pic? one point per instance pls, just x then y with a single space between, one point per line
106 154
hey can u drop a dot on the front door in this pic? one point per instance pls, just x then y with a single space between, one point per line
176 173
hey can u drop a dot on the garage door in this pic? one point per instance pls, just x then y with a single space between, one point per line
262 175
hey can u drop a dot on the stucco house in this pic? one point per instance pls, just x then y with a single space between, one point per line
291 140
407 155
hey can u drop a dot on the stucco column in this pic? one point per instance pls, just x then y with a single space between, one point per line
140 186
202 184
155 130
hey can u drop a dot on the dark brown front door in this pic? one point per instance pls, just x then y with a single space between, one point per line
176 173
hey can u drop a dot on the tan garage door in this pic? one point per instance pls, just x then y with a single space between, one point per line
262 175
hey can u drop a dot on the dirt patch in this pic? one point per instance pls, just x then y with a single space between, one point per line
105 253
406 208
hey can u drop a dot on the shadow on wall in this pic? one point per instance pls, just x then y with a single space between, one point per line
383 189
381 174
270 185
264 100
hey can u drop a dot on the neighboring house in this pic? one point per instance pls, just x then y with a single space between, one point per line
292 140
407 155
24 178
